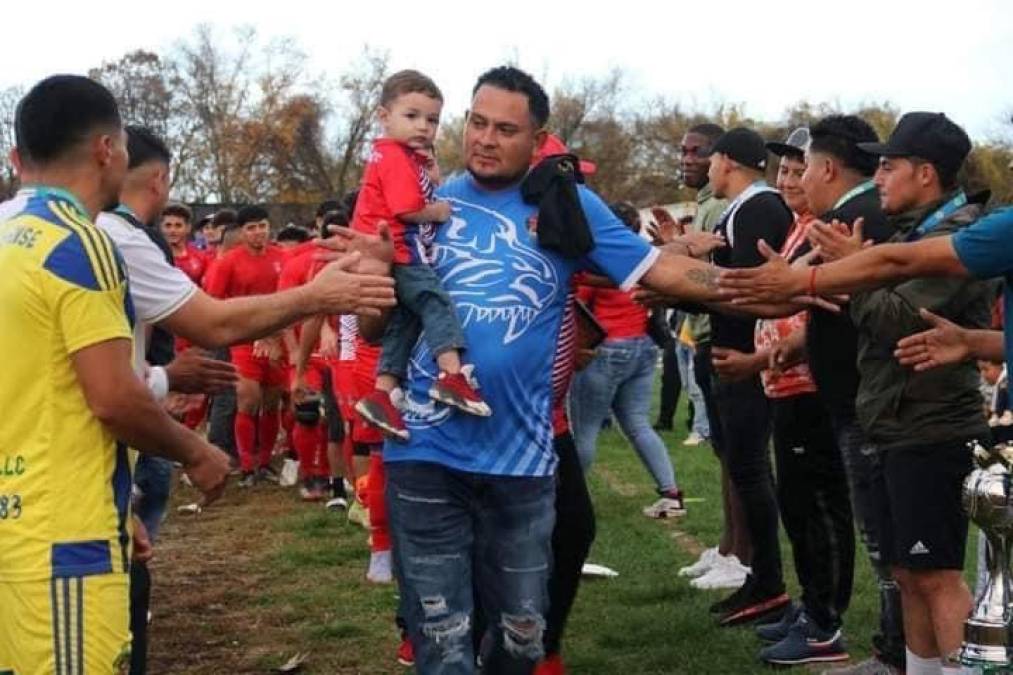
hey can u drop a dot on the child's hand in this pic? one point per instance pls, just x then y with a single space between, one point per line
441 211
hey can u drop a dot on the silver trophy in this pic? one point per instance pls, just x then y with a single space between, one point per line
988 500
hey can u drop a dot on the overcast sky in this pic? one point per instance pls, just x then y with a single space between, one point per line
951 56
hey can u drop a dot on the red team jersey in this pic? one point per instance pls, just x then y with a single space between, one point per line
395 183
240 272
193 262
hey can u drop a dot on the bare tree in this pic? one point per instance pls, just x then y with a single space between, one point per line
9 98
355 116
149 89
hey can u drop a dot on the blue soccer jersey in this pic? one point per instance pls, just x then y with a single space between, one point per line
511 298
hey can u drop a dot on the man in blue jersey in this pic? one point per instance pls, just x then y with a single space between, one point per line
471 499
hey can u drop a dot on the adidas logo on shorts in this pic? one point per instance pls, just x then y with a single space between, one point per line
918 549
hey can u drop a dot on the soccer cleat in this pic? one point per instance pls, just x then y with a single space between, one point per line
753 606
310 491
268 473
806 643
552 664
377 409
776 631
707 560
358 514
336 504
406 653
460 391
248 480
670 505
727 572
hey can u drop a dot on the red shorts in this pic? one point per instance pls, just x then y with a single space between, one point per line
364 378
258 368
315 368
343 377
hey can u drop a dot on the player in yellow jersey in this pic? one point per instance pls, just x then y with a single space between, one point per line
71 399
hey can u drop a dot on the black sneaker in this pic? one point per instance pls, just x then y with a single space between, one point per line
268 473
776 631
754 606
806 643
723 605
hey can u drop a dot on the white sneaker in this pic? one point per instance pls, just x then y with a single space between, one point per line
666 507
693 439
380 571
704 564
336 504
728 573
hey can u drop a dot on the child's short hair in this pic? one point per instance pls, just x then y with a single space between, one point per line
408 82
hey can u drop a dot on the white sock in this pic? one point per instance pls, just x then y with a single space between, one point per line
916 665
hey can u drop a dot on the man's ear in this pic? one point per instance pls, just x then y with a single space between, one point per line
102 149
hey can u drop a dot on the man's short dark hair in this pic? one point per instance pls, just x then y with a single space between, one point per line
293 233
708 129
327 206
509 78
349 201
408 82
60 112
839 136
145 146
179 211
337 217
947 175
251 214
224 218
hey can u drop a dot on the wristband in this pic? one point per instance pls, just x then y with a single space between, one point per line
812 280
158 382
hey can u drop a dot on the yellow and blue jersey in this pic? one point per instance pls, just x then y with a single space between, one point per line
64 480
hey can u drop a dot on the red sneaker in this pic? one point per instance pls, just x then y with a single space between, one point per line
377 409
406 653
550 665
458 391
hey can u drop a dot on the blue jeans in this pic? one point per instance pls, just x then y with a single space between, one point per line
620 380
458 534
684 356
153 477
423 308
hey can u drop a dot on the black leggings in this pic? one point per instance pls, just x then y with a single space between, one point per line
745 427
812 490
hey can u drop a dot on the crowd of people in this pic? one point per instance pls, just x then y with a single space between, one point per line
424 347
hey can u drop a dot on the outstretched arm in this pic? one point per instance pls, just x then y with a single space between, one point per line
776 281
339 288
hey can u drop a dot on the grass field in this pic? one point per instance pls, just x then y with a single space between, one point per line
261 577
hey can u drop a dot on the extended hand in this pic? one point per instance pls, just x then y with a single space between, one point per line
342 287
836 240
943 344
773 282
379 246
194 372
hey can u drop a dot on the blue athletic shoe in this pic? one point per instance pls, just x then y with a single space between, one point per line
775 631
806 643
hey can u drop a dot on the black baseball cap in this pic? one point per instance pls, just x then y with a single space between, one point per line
794 146
743 145
931 136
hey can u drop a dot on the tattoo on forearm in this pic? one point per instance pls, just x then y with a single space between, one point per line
704 276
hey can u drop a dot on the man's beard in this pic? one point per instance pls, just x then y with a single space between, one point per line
497 182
